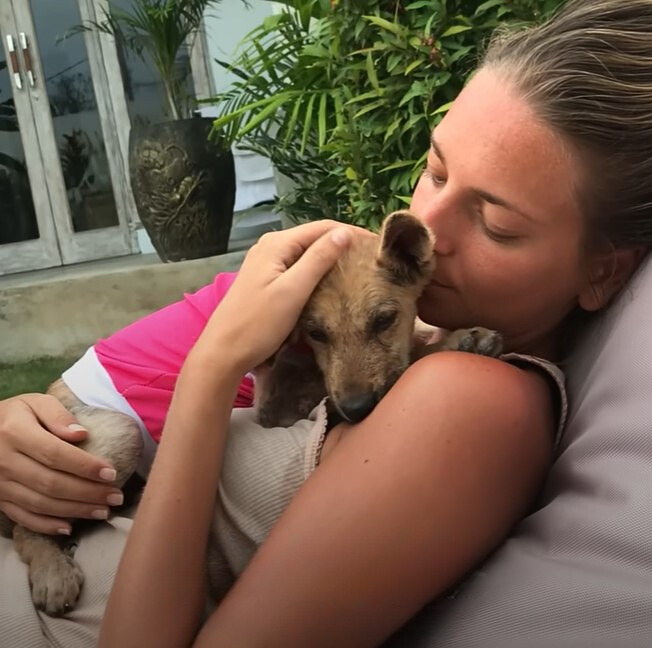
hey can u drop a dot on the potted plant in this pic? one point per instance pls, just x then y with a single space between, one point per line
183 183
341 95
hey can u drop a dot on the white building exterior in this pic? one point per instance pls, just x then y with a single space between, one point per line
66 106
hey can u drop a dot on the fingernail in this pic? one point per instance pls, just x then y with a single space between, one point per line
75 427
341 236
108 474
115 499
100 514
63 531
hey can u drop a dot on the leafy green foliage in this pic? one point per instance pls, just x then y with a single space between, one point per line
342 95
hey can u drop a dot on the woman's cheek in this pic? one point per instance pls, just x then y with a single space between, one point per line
492 272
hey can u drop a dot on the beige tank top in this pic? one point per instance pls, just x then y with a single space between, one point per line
557 382
551 371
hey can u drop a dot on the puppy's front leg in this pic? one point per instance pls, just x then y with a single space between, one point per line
55 579
473 340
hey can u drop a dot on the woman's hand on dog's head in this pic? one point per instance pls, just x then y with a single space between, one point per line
275 281
45 480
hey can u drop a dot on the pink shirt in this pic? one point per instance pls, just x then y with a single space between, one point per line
143 360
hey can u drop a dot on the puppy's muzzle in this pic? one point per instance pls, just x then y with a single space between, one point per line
356 407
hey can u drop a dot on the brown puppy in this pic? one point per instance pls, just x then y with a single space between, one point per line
358 330
359 333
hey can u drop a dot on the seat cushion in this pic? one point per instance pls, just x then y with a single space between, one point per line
578 571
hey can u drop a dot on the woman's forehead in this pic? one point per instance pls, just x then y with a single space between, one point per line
493 139
492 117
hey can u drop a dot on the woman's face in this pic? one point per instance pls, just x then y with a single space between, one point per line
499 194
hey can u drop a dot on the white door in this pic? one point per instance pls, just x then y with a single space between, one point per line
70 139
27 232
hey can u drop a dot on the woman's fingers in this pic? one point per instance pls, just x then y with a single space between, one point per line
38 523
293 261
43 478
317 260
45 499
42 504
54 417
33 423
289 245
57 485
55 453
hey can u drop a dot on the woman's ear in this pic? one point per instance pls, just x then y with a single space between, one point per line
607 274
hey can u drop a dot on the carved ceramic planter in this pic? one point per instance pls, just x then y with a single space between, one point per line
184 188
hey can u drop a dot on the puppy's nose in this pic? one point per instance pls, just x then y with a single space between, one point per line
355 408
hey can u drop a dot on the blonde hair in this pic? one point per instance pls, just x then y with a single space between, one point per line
587 73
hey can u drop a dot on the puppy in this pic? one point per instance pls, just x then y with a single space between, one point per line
355 337
360 331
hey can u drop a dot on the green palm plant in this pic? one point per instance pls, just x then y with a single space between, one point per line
158 30
342 95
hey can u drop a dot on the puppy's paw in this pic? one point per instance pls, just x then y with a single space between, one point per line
55 583
476 340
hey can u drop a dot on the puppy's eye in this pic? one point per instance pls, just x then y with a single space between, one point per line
317 334
383 321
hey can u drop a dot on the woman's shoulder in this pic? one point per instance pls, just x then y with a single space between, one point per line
484 373
479 394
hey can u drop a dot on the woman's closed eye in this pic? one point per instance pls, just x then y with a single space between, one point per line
495 233
437 179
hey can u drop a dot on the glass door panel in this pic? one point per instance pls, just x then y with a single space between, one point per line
17 213
75 117
80 141
27 234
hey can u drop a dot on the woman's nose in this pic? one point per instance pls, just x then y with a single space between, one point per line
439 217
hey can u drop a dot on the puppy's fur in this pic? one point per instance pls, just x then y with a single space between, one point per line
357 333
356 336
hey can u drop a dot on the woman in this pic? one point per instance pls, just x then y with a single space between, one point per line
536 188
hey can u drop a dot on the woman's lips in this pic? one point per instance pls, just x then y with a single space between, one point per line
441 284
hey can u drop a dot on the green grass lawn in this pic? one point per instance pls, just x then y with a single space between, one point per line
32 376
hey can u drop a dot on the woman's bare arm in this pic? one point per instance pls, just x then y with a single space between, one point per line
158 594
404 505
159 591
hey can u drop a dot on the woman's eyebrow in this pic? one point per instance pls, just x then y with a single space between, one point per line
481 193
495 200
435 148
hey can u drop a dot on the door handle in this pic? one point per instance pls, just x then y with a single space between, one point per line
27 57
13 59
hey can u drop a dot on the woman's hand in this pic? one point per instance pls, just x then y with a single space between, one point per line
158 592
44 478
277 277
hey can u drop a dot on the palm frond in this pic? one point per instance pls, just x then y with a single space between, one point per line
156 30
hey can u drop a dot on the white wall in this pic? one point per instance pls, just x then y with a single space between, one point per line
226 26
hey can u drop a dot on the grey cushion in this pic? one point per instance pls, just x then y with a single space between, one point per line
578 571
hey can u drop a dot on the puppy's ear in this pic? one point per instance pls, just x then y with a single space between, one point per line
406 248
290 341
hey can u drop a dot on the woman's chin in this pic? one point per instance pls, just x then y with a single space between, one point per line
443 313
434 308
